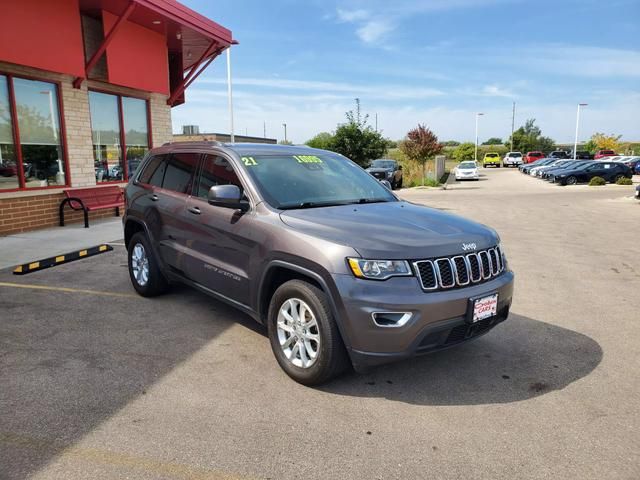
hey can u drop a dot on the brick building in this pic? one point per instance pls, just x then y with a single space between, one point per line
86 89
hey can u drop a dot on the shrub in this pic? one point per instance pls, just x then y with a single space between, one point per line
597 181
624 181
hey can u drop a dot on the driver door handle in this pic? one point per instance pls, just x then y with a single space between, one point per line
194 210
155 197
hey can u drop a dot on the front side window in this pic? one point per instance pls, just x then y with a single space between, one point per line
216 170
120 133
32 116
307 181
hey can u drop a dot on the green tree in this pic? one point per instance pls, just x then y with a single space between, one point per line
465 151
420 145
451 143
493 141
323 140
357 140
529 138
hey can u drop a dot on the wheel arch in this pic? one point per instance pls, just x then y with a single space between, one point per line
277 273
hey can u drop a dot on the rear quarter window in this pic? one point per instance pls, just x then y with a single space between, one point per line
153 171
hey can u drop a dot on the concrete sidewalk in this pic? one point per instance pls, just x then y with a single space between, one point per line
30 246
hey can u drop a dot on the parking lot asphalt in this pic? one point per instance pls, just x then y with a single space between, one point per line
96 382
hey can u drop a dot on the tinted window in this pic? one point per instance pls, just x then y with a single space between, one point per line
181 170
153 171
216 171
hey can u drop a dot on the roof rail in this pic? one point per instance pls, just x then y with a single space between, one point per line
195 142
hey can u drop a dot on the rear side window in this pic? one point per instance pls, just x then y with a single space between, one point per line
181 171
216 170
153 171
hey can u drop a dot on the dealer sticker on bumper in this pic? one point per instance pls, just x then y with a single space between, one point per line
485 307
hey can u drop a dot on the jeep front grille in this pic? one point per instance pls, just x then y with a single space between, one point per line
460 270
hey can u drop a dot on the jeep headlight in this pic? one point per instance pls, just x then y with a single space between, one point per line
379 269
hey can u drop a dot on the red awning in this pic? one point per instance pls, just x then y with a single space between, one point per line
188 33
192 40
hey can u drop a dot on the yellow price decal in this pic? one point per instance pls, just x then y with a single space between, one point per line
249 161
307 159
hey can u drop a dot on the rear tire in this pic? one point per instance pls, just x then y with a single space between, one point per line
312 308
144 271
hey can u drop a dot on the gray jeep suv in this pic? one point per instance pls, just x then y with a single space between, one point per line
307 243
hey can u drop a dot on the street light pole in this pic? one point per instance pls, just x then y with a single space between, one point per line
230 95
285 132
475 155
575 144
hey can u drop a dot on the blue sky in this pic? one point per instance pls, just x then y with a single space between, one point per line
435 62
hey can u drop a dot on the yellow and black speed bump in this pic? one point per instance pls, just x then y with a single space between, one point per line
60 259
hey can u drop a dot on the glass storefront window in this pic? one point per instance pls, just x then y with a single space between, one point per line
136 131
8 161
40 139
114 141
105 132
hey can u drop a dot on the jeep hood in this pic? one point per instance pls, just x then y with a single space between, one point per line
392 230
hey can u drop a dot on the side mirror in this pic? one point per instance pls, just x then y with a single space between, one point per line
228 196
386 184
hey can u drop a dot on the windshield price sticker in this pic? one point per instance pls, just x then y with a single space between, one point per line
249 161
307 159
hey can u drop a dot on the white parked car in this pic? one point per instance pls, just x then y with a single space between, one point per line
512 159
467 171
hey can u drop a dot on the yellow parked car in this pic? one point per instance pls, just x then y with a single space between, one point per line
491 159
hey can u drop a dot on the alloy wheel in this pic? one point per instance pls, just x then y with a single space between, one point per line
298 333
140 264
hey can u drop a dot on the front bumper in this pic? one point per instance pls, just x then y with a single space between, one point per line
438 319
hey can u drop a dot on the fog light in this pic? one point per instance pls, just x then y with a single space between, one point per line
391 319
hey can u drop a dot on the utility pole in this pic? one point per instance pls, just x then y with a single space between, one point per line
285 132
475 155
575 144
513 123
376 121
264 129
230 95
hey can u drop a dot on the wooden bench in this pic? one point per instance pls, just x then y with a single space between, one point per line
92 198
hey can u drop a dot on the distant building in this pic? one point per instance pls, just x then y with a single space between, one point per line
191 133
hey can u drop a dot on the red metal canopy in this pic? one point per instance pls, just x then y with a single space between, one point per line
192 40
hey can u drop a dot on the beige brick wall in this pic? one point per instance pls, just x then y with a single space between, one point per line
160 119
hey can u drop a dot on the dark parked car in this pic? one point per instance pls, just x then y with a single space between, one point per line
582 155
307 243
560 155
389 170
632 162
526 168
638 192
610 171
569 165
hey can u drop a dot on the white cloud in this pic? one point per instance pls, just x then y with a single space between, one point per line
352 15
374 30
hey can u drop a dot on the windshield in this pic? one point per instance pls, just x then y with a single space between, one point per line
467 165
308 181
383 164
491 155
515 154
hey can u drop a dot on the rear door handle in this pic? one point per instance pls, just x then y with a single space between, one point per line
194 210
155 197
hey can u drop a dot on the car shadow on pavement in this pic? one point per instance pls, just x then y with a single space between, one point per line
518 360
69 362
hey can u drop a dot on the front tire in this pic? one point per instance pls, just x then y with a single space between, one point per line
304 335
571 180
144 271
